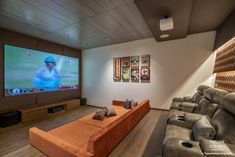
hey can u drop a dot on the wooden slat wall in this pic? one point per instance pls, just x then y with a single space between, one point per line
225 66
225 57
21 40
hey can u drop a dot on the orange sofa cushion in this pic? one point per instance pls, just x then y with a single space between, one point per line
120 110
76 133
53 146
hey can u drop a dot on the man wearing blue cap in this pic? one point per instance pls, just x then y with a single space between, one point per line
48 77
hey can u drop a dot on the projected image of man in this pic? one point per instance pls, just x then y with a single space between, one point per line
48 77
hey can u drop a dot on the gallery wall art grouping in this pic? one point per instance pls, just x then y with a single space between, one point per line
132 68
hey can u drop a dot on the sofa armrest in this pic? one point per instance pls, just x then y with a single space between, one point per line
177 99
212 148
53 146
118 102
179 121
192 117
182 148
104 141
188 104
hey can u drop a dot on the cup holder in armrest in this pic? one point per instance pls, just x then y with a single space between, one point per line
186 144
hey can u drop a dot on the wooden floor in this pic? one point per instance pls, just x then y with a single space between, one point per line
145 140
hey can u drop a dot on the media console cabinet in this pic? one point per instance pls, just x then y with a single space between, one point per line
40 111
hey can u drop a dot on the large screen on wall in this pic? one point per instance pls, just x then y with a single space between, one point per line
30 71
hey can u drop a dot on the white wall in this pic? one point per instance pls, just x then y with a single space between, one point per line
177 68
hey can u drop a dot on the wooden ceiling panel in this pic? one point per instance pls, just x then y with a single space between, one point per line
92 4
76 7
29 14
75 23
13 23
129 1
93 23
138 20
110 4
118 3
53 9
125 24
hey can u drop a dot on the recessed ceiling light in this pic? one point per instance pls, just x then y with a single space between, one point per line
164 36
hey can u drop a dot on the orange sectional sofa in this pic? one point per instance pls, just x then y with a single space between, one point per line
87 137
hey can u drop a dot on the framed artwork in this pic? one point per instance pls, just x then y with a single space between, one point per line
135 61
117 69
145 60
135 75
134 68
125 62
125 74
145 73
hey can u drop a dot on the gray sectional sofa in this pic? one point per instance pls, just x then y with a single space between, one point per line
207 131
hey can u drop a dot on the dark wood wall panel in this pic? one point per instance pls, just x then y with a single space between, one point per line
47 46
226 31
21 40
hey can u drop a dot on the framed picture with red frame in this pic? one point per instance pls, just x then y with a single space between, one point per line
117 69
145 74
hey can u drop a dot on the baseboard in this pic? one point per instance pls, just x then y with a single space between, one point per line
94 106
160 109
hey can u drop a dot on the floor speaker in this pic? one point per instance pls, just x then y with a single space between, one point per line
83 101
9 118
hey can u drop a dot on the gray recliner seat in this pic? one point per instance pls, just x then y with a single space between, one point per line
189 103
180 142
206 106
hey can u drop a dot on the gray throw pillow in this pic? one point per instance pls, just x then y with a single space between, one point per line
133 104
110 111
202 129
100 114
127 104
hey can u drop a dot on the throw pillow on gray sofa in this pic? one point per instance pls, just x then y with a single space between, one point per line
202 129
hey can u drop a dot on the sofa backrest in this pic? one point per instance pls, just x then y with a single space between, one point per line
104 141
202 88
197 97
215 95
206 107
210 102
118 102
224 120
